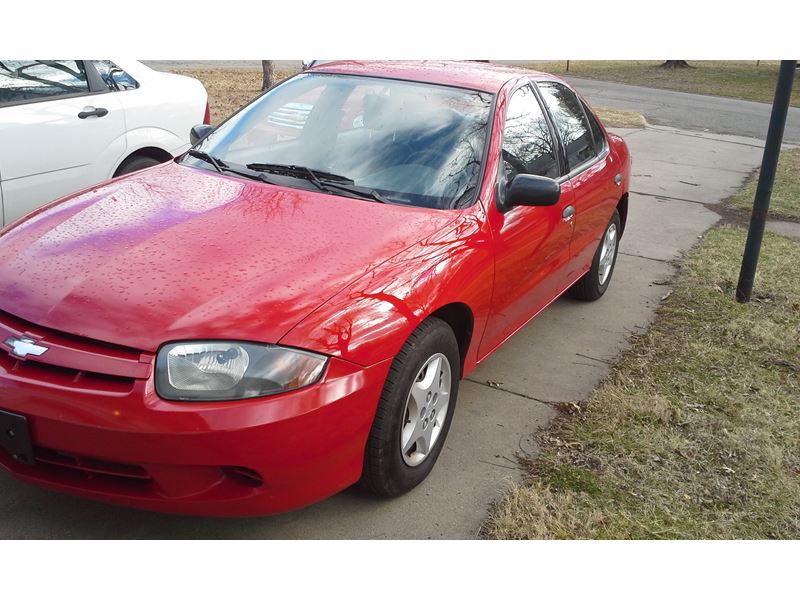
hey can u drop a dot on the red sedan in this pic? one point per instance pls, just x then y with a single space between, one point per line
288 308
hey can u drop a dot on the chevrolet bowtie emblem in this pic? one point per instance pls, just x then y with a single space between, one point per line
23 347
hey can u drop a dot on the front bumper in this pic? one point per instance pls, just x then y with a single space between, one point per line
104 441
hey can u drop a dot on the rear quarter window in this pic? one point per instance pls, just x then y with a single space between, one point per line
571 122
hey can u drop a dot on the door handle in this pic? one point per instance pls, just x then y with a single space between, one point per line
568 213
94 112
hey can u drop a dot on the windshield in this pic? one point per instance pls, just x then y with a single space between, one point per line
411 143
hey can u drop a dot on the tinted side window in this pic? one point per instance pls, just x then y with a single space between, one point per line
597 132
527 143
571 122
31 80
115 78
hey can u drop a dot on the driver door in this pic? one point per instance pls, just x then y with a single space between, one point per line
531 244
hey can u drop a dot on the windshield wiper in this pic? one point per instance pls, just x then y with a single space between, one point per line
322 180
356 190
222 167
463 196
298 170
217 164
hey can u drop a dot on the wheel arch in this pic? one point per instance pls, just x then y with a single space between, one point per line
622 209
461 320
153 152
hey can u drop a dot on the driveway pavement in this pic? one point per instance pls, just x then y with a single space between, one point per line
560 357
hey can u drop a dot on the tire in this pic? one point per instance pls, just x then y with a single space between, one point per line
388 469
136 163
593 285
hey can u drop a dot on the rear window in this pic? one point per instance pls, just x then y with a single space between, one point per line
114 77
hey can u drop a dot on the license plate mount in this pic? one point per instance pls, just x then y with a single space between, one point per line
15 437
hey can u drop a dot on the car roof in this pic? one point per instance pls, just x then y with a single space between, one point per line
475 75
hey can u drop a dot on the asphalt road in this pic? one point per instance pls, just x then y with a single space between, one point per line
689 111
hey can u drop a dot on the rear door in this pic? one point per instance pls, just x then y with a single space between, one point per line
591 172
60 131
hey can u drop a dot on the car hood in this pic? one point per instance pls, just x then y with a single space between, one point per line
174 253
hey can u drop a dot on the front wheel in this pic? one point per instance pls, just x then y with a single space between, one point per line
414 412
595 283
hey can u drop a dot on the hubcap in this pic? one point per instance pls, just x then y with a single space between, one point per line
607 252
426 410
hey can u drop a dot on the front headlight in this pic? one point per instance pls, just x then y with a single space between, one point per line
209 371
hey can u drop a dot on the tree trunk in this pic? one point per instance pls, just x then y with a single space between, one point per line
269 74
675 64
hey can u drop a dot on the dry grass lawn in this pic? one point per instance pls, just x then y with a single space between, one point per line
734 79
628 119
696 433
229 89
785 202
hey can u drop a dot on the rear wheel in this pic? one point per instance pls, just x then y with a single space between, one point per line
136 163
414 412
595 283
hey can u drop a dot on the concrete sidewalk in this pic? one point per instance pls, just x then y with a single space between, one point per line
559 357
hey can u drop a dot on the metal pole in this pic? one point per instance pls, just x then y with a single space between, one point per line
769 164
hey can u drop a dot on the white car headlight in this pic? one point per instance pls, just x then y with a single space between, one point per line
216 370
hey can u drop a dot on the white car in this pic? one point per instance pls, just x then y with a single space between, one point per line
69 124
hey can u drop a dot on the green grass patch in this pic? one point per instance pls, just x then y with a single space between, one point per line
696 432
734 79
785 202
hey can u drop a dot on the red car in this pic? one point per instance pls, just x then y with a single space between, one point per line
288 308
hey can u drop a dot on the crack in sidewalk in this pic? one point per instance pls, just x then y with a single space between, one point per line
661 260
663 197
512 392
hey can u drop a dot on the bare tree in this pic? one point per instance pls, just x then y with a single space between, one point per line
675 64
269 74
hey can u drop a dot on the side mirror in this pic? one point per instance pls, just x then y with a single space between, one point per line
198 132
531 190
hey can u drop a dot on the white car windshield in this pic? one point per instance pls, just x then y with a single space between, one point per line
408 142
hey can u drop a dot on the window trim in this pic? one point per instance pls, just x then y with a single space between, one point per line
589 162
591 116
92 77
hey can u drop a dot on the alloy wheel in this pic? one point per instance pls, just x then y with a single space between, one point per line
425 410
607 253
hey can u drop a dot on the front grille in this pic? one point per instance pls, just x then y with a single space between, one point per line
63 377
89 468
70 360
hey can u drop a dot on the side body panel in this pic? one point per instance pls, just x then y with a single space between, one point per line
371 319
